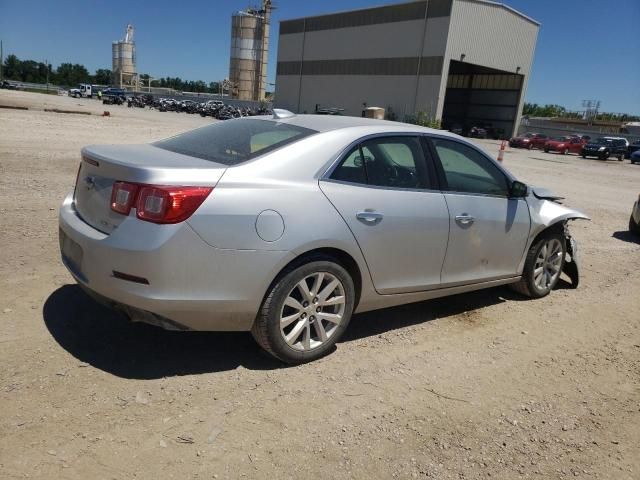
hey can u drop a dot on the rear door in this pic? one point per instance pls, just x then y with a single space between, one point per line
488 230
386 192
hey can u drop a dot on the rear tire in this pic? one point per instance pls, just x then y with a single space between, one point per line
298 324
542 267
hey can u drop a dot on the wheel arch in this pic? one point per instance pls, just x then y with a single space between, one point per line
547 215
337 255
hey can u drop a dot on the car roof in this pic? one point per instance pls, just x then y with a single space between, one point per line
326 123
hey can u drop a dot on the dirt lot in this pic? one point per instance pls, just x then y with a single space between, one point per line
474 386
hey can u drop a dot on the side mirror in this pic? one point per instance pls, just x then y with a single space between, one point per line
517 190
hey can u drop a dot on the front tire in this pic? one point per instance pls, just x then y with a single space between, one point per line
543 266
305 311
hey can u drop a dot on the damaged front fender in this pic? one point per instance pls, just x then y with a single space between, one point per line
546 213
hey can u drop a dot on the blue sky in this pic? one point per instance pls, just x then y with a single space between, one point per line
587 49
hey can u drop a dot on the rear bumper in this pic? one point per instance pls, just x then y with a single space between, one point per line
189 285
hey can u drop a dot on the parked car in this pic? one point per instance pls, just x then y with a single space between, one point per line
604 148
477 132
564 145
287 225
635 157
581 136
634 221
529 140
634 147
619 139
111 91
8 85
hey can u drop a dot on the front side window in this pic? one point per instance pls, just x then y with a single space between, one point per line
396 162
234 141
467 170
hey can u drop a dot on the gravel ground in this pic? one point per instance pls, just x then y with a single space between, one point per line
480 385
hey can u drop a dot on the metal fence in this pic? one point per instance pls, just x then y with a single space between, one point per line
155 92
557 129
36 86
204 97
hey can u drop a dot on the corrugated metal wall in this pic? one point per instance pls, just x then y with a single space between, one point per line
396 55
491 35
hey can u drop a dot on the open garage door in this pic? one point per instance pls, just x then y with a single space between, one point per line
482 97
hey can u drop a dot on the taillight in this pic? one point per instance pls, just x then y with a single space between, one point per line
123 196
158 204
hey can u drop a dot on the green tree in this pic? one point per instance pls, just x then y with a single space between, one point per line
68 74
102 76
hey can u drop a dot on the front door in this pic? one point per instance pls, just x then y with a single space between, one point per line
383 188
489 230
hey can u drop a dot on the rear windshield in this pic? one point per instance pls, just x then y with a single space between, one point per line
234 141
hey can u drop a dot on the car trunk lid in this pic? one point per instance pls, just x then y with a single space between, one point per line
102 165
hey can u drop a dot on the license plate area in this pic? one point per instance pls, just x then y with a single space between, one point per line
71 254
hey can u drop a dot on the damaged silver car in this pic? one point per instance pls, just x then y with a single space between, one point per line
287 225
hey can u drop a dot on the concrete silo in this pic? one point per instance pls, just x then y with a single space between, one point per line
249 52
124 61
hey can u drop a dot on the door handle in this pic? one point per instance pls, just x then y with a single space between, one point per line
465 219
370 217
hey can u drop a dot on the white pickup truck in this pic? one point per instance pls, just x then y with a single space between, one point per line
83 90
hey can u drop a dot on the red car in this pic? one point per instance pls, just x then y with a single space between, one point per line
564 145
529 140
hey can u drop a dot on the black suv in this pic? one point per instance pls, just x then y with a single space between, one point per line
603 148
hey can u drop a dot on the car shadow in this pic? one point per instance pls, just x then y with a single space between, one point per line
381 321
107 340
627 236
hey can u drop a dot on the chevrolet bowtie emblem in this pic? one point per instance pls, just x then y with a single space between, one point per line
90 182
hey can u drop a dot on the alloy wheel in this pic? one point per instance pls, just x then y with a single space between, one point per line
312 311
548 264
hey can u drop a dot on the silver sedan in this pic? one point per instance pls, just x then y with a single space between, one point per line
287 225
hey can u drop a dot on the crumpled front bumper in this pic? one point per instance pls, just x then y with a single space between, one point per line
571 265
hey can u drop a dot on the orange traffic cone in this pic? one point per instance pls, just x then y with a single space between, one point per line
501 151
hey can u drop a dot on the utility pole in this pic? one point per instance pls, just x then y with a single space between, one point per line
46 65
1 61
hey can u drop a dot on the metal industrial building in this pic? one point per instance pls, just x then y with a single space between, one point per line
464 62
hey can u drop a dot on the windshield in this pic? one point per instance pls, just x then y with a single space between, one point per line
560 139
602 141
234 141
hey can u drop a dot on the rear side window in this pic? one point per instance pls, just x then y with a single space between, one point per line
234 141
